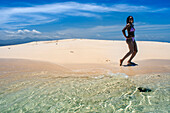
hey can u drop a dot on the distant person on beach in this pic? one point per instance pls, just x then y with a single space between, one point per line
130 40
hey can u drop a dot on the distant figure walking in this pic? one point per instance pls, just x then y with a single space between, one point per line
130 40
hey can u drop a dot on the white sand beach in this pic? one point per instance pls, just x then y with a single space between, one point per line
86 56
82 75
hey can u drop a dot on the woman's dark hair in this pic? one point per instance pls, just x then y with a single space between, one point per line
127 21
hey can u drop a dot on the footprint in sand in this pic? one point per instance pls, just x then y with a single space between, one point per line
107 60
71 51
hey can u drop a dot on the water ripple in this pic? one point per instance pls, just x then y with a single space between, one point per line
103 93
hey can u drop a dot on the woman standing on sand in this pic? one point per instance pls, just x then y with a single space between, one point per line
130 40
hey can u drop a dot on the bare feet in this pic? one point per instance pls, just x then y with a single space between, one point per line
121 61
131 63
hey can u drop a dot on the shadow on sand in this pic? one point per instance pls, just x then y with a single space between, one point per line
129 65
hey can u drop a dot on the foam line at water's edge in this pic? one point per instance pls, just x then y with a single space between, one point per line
110 74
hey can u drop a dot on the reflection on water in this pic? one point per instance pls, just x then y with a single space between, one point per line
105 93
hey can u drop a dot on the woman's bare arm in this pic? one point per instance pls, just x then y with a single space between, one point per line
123 31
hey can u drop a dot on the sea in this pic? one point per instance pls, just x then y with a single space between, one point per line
44 92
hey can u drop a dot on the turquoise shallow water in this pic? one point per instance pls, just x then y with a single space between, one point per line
116 93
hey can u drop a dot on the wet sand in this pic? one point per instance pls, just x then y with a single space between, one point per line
144 67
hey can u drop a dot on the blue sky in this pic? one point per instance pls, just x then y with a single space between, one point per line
97 19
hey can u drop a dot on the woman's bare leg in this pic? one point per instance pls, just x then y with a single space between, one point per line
131 50
134 53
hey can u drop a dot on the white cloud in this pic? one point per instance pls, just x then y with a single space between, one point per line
10 32
20 31
115 31
154 27
143 32
35 31
18 17
26 31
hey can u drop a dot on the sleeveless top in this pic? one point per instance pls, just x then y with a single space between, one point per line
131 31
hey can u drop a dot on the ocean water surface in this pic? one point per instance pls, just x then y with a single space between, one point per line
110 92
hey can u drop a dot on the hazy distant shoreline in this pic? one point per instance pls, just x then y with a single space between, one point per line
28 40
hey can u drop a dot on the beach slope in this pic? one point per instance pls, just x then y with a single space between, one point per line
85 56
